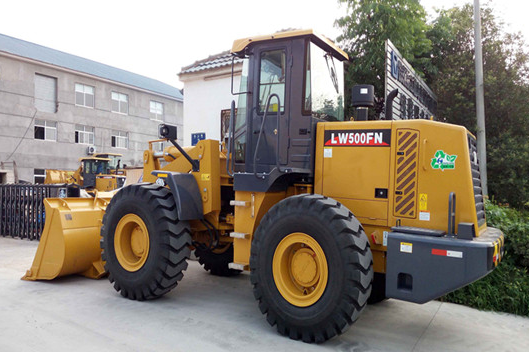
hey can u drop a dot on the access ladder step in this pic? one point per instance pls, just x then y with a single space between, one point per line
239 203
240 235
238 266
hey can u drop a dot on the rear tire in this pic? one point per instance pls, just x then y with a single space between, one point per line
216 261
311 267
144 245
378 293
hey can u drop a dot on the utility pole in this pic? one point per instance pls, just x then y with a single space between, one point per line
480 104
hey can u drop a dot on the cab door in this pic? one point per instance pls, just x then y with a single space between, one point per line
272 76
89 174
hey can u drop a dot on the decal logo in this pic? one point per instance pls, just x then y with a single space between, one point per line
443 161
358 138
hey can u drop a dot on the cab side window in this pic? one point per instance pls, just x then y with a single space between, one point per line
272 80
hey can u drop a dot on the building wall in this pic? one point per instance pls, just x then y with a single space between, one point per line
206 94
18 114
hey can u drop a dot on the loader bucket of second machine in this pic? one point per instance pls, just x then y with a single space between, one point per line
69 243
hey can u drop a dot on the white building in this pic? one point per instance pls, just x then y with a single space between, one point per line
54 106
207 89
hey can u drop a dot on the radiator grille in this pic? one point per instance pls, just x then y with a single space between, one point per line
406 173
476 179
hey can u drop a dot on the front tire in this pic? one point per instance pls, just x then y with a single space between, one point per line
311 267
144 245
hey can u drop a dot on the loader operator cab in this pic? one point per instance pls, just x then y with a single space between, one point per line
289 82
93 167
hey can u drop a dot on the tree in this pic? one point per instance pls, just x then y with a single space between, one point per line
366 26
506 90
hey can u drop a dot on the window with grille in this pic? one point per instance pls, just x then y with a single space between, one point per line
84 95
156 110
120 103
120 139
84 134
45 130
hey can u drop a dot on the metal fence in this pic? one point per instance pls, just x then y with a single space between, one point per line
22 211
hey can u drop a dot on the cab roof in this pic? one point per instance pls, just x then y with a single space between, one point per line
94 158
240 44
101 155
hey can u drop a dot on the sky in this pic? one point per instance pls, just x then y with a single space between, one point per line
157 38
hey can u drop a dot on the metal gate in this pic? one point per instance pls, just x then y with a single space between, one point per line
22 212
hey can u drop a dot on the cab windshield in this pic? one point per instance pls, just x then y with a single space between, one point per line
113 163
96 167
323 93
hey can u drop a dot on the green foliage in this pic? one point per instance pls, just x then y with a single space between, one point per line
506 289
506 90
365 28
515 226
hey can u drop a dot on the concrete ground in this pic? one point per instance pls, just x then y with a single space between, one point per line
208 313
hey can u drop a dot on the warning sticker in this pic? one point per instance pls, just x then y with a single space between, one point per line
423 202
406 247
424 216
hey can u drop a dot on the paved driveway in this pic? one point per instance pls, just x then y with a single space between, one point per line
208 313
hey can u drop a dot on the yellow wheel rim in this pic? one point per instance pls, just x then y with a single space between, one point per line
300 269
131 242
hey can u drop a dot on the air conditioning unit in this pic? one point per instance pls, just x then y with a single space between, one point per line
91 150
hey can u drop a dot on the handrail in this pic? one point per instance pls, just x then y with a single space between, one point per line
262 176
231 129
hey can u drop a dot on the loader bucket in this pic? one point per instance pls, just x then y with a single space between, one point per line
69 243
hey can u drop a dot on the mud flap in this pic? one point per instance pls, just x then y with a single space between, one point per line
421 268
69 243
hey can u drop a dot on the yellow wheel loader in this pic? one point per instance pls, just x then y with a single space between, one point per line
324 213
100 172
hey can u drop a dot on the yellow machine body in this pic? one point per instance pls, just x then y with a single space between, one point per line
415 193
69 243
58 176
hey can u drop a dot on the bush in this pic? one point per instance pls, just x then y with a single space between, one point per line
506 289
515 226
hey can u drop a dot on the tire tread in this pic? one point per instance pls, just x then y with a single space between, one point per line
353 245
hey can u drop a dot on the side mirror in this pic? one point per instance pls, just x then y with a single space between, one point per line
167 131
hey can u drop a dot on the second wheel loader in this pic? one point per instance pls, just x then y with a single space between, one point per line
99 172
324 213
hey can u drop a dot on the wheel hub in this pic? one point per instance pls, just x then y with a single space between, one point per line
137 241
300 269
131 242
304 267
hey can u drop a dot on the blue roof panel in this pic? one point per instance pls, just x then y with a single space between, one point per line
58 58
